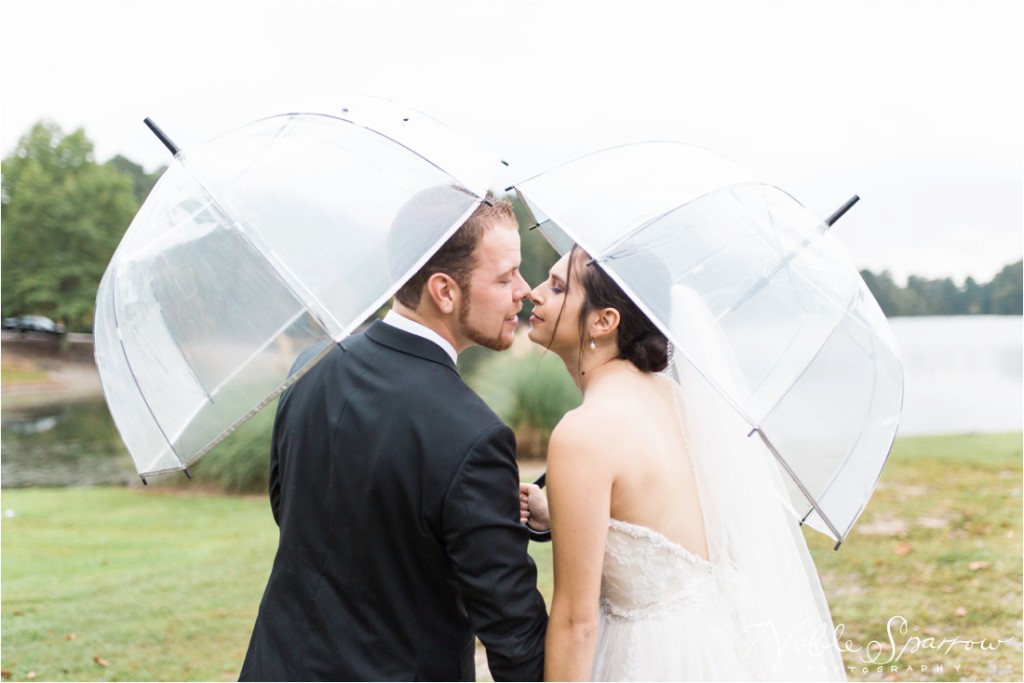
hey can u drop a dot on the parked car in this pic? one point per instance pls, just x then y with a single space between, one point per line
33 323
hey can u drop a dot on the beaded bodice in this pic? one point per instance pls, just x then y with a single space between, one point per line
646 575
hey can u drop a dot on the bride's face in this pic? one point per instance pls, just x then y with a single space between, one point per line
554 321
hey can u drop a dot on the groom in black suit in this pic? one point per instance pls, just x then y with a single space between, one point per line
396 492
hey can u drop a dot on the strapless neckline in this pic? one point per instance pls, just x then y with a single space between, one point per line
659 539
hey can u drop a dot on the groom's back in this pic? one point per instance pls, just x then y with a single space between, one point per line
369 489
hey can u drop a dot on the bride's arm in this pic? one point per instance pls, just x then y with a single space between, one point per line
579 487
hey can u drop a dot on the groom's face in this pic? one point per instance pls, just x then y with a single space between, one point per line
487 313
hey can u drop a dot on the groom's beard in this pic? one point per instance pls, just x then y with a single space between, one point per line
477 335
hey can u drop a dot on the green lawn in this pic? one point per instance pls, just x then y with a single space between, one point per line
118 584
143 584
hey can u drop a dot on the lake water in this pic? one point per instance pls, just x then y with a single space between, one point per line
63 444
963 374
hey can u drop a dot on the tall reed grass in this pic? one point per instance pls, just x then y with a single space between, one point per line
530 390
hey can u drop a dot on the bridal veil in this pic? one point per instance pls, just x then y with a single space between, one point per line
754 538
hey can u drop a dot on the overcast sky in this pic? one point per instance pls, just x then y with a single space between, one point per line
915 106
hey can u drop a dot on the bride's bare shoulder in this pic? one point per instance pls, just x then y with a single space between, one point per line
590 429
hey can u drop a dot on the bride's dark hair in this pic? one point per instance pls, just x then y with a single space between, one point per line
640 341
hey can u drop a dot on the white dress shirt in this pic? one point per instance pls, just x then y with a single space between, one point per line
420 330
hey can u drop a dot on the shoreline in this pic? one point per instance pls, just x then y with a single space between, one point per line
30 381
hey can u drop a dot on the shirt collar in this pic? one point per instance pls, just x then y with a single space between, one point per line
420 330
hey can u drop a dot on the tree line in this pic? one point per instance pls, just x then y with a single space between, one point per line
64 213
1003 295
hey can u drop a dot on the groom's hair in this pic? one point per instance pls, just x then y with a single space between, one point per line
457 257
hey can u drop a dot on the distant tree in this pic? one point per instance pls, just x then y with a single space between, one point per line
975 297
538 255
63 215
142 182
886 292
1006 287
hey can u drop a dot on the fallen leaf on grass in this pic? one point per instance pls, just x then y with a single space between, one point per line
902 549
99 660
5 673
960 612
70 636
980 564
30 675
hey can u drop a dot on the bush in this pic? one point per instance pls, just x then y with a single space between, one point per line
241 462
530 390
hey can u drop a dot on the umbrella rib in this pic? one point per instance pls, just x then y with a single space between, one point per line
846 459
227 379
654 219
262 251
259 406
800 485
270 340
135 380
253 240
803 371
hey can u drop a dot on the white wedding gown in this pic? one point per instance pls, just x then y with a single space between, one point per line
756 609
665 613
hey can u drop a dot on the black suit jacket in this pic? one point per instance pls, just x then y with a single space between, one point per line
395 488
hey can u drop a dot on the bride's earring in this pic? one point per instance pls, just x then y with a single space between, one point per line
592 344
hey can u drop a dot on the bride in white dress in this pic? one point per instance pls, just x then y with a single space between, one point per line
674 555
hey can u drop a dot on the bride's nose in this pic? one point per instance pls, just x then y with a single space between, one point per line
534 295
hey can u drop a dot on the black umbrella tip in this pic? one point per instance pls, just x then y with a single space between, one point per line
830 221
161 135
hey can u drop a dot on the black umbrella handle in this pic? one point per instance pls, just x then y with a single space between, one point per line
535 535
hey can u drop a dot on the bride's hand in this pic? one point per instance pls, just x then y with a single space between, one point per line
533 507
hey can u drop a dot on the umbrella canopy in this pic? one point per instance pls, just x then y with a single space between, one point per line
272 239
812 364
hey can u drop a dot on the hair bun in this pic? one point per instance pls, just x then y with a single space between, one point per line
649 353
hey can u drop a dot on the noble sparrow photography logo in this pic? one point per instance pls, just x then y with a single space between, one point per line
890 656
900 651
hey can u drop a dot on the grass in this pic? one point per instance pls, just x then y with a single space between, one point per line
136 584
21 375
939 545
122 584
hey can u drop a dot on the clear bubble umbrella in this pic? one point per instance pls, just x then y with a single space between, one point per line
270 240
813 368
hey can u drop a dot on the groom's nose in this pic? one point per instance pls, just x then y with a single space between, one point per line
522 288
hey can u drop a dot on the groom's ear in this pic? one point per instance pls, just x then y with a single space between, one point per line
444 292
606 322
